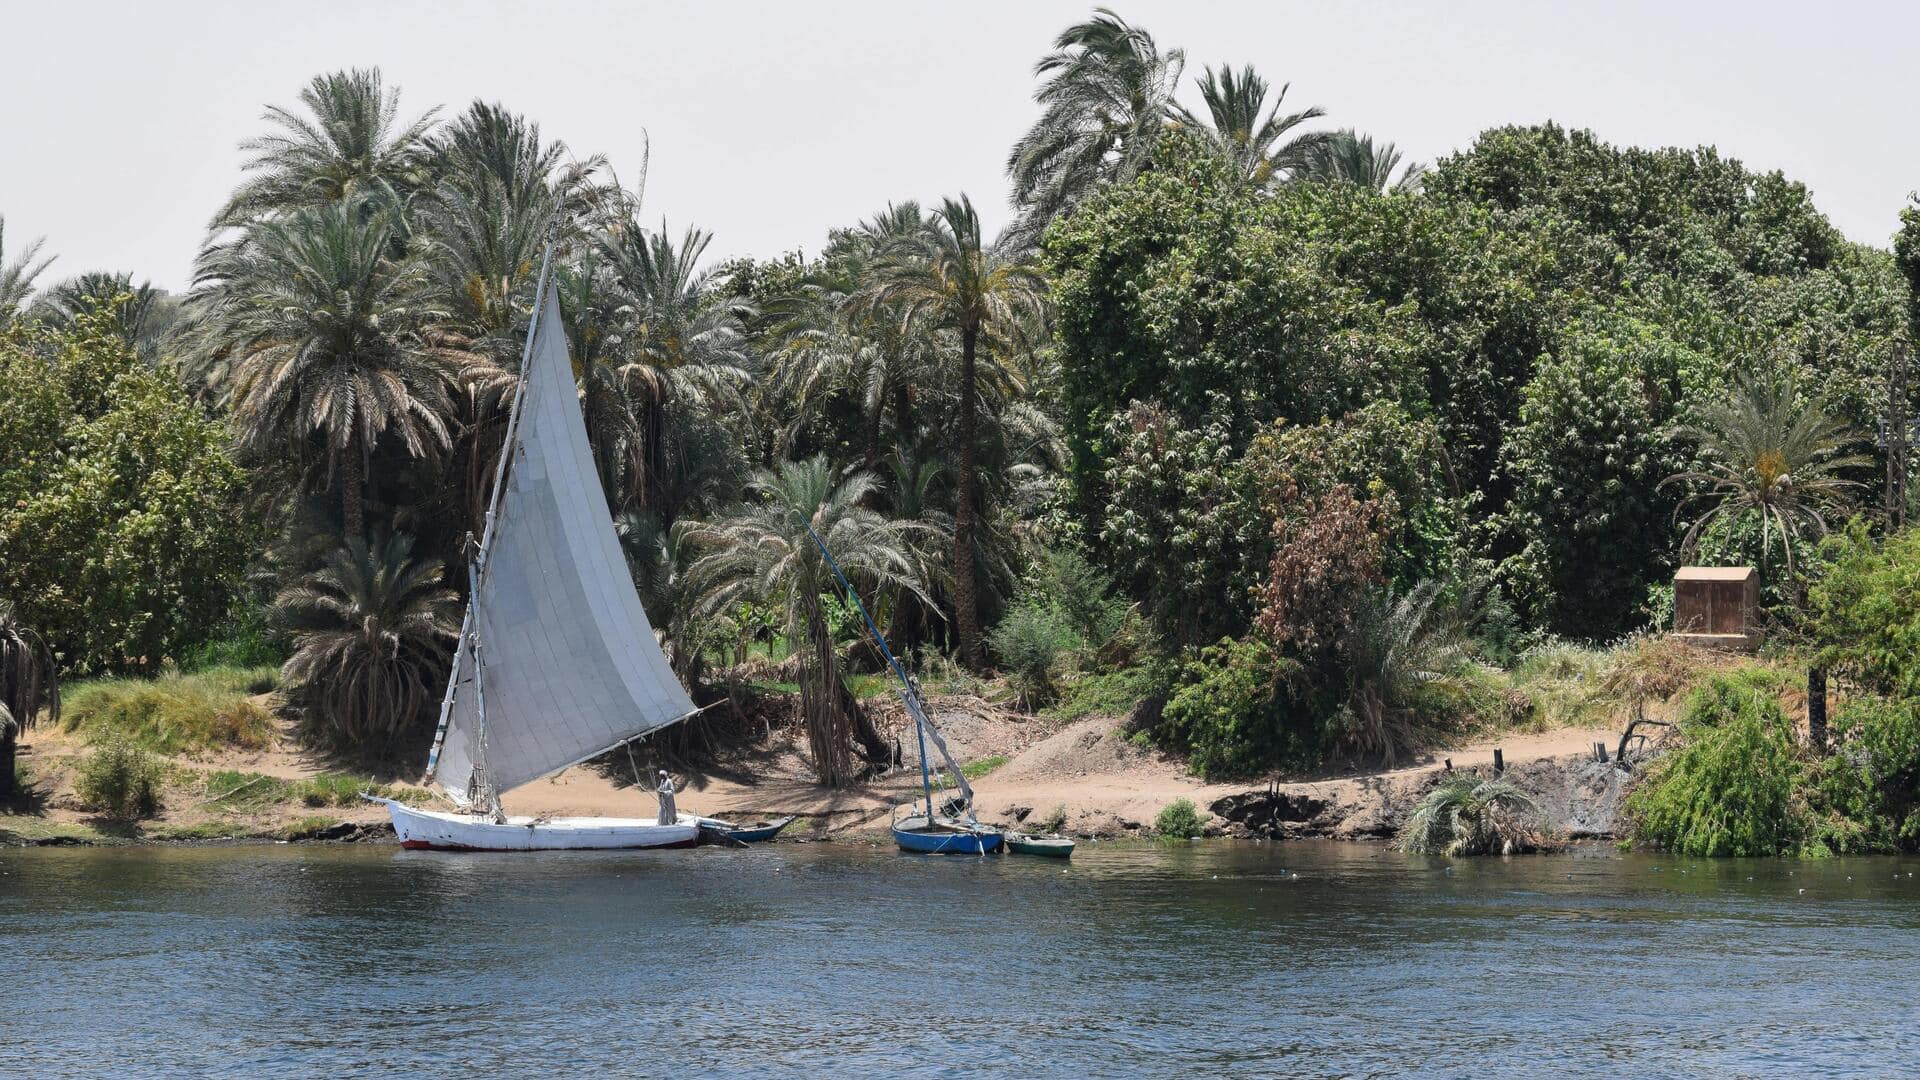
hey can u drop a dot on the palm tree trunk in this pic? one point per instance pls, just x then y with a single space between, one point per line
966 615
9 744
653 441
353 482
903 411
820 705
872 457
1817 708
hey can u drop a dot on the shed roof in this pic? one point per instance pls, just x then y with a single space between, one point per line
1715 573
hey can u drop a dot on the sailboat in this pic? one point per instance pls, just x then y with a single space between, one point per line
952 828
557 662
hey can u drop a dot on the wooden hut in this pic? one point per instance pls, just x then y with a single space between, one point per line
1717 606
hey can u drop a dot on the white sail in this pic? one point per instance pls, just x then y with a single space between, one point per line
569 666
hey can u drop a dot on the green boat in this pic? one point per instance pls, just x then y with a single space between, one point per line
1057 847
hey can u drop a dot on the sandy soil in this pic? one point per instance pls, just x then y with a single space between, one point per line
1095 779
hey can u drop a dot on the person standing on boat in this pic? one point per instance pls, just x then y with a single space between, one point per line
669 814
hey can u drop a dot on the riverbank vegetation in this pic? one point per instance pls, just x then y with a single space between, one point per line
1290 452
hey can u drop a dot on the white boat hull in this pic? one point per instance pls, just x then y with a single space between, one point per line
439 830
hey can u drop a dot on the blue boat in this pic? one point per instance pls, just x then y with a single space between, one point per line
946 836
952 830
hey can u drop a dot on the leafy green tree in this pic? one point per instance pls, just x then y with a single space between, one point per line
1261 149
1108 95
1588 524
762 554
1384 456
325 323
1234 712
350 146
1181 528
120 508
373 634
945 278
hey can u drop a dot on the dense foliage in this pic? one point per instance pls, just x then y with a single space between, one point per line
121 509
1315 435
1555 341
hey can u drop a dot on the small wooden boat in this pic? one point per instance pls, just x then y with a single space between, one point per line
758 832
1058 847
945 836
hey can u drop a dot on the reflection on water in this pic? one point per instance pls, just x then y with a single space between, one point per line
1135 959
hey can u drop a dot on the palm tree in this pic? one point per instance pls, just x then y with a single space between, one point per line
678 339
497 191
324 322
1767 450
943 278
1262 149
828 343
142 313
373 631
1349 157
762 554
29 682
1397 645
350 147
1106 100
1470 816
17 277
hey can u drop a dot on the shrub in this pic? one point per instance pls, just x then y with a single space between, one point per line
176 713
1866 610
1180 820
1030 642
1470 816
1730 790
1114 692
1866 796
1083 595
120 780
1232 714
243 641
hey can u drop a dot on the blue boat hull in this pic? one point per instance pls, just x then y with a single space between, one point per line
946 840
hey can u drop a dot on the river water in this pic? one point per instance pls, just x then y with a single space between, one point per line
1216 958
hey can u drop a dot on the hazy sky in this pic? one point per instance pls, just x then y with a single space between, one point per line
771 123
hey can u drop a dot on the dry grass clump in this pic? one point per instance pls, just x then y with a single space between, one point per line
176 713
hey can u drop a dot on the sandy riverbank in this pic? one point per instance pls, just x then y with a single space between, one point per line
1083 773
